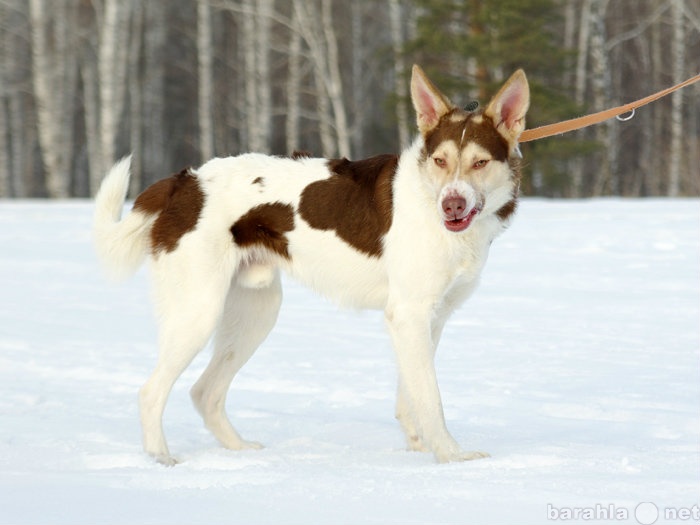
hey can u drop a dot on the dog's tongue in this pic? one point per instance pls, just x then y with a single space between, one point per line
459 225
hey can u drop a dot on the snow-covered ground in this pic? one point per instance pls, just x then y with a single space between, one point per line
576 365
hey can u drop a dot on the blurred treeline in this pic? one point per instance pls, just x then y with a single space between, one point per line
84 82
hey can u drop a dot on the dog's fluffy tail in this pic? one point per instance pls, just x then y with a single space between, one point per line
121 244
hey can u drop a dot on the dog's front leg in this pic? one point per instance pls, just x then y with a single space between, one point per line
410 327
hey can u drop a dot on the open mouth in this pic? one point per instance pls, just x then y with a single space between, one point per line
459 225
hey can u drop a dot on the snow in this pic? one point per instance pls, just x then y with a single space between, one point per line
575 365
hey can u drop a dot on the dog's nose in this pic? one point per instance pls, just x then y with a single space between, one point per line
454 207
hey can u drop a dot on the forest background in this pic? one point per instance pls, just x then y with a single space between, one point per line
175 82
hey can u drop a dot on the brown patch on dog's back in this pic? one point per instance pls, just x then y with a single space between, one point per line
265 226
356 201
300 154
178 201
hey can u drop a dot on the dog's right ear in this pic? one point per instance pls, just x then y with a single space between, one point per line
430 104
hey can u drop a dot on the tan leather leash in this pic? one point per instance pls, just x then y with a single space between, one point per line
594 118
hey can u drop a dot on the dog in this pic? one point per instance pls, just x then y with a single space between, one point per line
408 234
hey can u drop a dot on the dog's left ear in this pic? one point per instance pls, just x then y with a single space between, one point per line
508 107
430 104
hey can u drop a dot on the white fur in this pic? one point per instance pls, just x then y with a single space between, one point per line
121 246
210 285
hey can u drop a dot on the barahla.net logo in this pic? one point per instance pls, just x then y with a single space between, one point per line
646 513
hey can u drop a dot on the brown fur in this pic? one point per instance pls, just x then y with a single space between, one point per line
356 202
509 208
451 127
266 226
178 201
301 154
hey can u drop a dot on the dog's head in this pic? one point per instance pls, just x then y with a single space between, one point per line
470 160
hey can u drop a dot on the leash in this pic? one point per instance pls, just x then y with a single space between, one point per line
594 118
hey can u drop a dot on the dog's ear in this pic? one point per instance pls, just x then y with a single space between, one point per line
508 107
430 104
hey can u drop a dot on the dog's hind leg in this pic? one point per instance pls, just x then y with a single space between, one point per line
249 315
189 305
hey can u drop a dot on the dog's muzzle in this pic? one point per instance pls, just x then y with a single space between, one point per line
458 213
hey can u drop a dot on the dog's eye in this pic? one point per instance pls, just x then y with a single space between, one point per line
480 164
440 162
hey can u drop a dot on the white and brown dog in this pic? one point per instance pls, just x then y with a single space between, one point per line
408 234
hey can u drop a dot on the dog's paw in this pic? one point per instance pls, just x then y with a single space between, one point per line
472 455
241 444
460 455
166 460
251 445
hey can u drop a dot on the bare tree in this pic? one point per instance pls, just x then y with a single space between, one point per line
152 85
601 91
136 135
84 81
294 85
20 124
5 160
400 84
256 20
54 75
205 77
113 54
323 49
334 81
678 68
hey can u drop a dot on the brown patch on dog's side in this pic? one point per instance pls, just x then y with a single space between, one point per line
178 201
480 131
356 201
265 226
259 180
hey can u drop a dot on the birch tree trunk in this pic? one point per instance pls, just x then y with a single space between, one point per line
601 88
358 69
263 45
136 99
250 142
308 20
256 20
329 146
5 165
20 124
53 75
205 78
570 17
294 78
5 159
400 84
580 77
154 143
334 80
658 112
91 104
678 62
323 48
112 70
